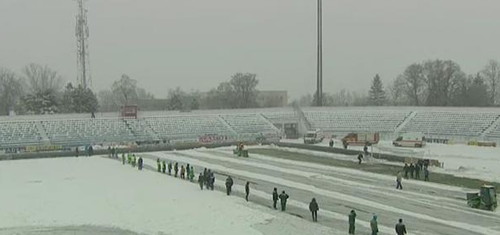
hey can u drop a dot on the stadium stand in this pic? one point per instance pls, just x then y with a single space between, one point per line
187 126
86 131
79 129
249 123
19 133
450 123
353 120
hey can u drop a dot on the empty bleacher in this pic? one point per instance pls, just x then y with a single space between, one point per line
187 126
450 123
249 123
72 130
19 133
86 131
352 120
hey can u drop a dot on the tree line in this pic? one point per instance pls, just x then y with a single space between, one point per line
429 83
39 90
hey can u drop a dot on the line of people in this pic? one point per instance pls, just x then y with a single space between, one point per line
207 179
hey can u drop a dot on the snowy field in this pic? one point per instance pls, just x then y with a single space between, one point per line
101 196
459 160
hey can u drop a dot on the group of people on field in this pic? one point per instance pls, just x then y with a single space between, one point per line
206 179
413 171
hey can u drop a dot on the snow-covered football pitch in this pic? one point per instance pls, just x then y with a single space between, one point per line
103 196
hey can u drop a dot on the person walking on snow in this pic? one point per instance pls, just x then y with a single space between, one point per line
247 190
352 222
169 168
140 162
163 167
158 164
360 158
314 208
400 228
229 184
399 178
374 225
176 169
191 174
275 198
183 172
201 180
283 197
188 169
134 160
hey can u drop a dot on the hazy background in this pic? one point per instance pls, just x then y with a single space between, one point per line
197 44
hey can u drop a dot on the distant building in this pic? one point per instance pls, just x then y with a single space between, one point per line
272 98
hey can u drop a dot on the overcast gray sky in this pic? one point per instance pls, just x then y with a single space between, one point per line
195 44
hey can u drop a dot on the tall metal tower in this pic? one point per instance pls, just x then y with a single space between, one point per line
82 46
319 72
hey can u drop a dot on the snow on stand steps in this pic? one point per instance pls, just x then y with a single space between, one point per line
100 192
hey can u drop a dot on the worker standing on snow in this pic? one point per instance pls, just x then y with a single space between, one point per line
123 158
426 174
314 208
247 190
212 180
283 198
275 197
400 228
176 169
374 225
188 169
399 178
163 167
170 168
158 165
412 169
406 169
417 171
140 162
134 160
352 222
201 180
191 174
183 171
229 185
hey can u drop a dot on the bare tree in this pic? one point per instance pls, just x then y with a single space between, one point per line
41 79
441 76
414 81
11 91
491 75
244 86
125 90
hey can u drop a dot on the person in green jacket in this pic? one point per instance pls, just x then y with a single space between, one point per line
191 174
158 164
163 167
129 158
133 160
123 158
352 221
169 168
374 225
